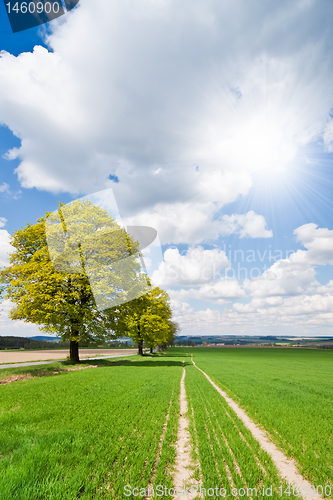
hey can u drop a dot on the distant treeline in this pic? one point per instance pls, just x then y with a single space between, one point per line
24 343
31 344
189 343
192 343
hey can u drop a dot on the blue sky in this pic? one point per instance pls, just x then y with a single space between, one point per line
216 118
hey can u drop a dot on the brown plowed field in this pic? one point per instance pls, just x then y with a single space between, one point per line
25 356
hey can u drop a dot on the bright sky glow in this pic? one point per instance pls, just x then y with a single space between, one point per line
261 146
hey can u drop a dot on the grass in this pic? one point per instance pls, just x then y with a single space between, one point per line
57 366
229 455
86 434
89 433
288 392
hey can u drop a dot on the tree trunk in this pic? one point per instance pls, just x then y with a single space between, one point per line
140 350
140 342
151 350
74 351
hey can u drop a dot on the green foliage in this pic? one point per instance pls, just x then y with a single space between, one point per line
63 302
84 239
148 318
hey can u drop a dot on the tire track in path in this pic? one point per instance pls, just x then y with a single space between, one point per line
286 467
184 464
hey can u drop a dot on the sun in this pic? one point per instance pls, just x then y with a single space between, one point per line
261 145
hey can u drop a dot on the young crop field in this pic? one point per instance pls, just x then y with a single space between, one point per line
90 432
288 392
86 434
229 456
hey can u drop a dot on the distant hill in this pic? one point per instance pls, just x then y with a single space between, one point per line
28 343
44 342
44 338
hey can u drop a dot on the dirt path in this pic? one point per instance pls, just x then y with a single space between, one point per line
286 467
184 464
45 355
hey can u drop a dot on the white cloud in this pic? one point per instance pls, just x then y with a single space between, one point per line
176 223
287 295
136 90
319 244
18 328
291 316
4 188
2 221
309 309
196 267
296 275
250 225
193 223
220 292
5 246
283 278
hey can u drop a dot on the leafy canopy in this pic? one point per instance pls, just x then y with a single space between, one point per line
148 318
89 249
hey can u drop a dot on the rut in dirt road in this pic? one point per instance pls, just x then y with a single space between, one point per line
184 464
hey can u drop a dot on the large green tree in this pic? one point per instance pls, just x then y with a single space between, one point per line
68 269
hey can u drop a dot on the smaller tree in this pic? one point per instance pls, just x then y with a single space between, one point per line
147 319
173 330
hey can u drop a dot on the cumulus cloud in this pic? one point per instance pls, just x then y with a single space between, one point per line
5 246
195 267
306 309
18 328
285 295
297 315
193 223
220 292
283 278
296 274
319 244
129 90
250 225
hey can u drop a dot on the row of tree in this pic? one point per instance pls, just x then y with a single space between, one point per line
29 344
51 286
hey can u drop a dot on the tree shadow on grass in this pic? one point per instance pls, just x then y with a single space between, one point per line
61 367
142 363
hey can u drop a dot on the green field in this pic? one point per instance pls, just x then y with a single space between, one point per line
288 392
88 433
229 455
